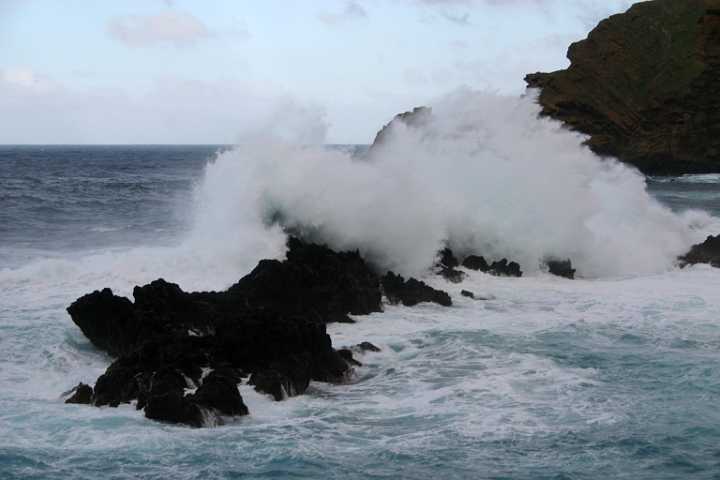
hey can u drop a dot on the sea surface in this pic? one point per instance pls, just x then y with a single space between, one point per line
546 379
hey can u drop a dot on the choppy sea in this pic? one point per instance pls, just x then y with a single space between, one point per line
546 379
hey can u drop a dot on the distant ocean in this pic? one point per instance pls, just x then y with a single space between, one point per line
605 377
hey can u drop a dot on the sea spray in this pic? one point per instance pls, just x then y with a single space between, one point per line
483 174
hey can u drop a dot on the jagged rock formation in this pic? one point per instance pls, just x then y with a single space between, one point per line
706 252
561 268
271 324
411 292
501 268
82 394
644 85
413 118
181 355
447 266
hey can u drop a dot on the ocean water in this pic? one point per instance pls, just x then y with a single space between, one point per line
614 376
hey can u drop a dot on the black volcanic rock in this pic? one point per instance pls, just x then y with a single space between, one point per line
284 379
643 86
561 268
174 407
271 325
82 394
447 258
412 291
107 320
503 268
220 394
347 355
367 347
474 262
313 279
164 397
706 252
452 275
446 266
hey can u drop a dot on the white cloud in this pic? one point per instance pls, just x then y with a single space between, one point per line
176 28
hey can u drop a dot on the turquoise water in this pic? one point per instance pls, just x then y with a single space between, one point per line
550 379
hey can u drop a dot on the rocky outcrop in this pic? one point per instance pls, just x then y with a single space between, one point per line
477 263
643 86
82 394
270 325
181 356
500 268
413 118
706 252
561 268
366 347
313 280
412 292
447 265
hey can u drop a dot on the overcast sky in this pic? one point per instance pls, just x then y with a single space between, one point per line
215 71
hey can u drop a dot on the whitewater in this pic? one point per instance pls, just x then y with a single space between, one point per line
613 375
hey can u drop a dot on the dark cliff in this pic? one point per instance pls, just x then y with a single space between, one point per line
414 118
644 86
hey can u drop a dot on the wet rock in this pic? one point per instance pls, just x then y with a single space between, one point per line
447 258
220 394
174 407
503 268
281 381
159 383
367 347
474 262
107 320
452 275
313 279
82 394
706 252
117 385
271 325
412 291
347 355
228 372
446 266
468 294
561 268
